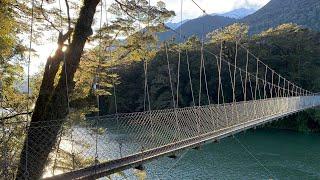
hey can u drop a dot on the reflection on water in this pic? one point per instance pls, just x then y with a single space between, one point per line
287 155
57 159
49 173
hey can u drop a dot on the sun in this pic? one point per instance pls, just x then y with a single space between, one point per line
41 55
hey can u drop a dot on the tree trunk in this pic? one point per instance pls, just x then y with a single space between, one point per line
51 107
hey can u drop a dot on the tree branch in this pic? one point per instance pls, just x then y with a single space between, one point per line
68 14
124 8
46 18
15 115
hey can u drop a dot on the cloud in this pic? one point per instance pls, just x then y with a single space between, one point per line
250 3
190 10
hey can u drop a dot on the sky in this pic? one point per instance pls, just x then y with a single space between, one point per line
189 9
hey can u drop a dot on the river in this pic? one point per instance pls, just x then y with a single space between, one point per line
279 154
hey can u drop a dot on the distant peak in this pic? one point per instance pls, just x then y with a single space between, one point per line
239 13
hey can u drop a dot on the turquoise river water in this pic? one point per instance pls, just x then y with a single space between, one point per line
259 154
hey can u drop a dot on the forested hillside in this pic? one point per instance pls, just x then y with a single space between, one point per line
276 12
289 49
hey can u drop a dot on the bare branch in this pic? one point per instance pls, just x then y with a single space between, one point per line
124 8
68 14
46 18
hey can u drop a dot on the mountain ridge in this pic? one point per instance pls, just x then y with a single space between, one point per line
302 12
235 14
239 13
305 13
196 27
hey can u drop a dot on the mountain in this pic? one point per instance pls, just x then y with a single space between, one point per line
302 12
236 14
174 25
196 24
198 27
239 13
276 12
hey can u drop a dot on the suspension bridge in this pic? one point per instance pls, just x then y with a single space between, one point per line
145 136
166 132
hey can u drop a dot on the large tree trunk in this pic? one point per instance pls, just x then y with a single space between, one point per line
51 107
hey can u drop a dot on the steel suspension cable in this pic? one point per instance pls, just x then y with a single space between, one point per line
242 83
246 78
148 94
234 73
265 84
172 91
60 12
61 132
264 87
178 80
146 87
179 54
113 82
288 90
245 84
293 90
190 78
234 81
259 91
98 71
205 75
220 87
26 175
219 72
200 82
204 12
233 90
64 49
284 87
279 79
272 82
173 166
254 157
251 88
4 131
257 73
204 67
